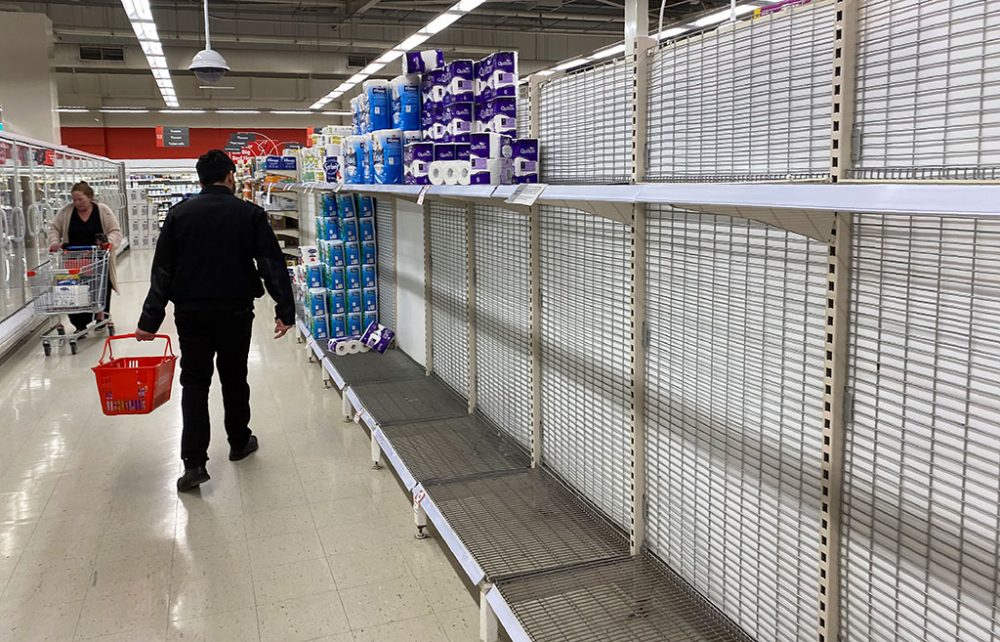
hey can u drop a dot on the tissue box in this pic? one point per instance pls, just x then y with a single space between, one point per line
461 82
369 276
336 302
459 117
367 229
417 158
417 62
354 327
370 299
353 277
368 253
377 337
355 301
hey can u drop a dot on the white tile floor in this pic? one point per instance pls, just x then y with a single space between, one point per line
301 541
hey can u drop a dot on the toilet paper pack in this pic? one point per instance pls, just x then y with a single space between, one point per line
310 254
461 82
337 302
338 326
368 253
355 301
418 62
355 160
349 230
366 228
405 93
437 172
387 157
439 79
378 108
417 159
503 74
365 206
316 301
368 319
504 116
335 279
486 145
353 277
377 337
354 324
352 254
333 168
444 152
369 276
335 254
460 118
314 275
484 118
494 171
370 299
524 155
485 92
412 136
346 206
463 151
457 172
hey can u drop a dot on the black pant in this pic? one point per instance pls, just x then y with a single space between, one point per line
81 320
225 336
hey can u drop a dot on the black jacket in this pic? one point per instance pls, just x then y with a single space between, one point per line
205 259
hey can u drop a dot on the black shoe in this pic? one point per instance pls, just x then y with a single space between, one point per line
193 478
245 451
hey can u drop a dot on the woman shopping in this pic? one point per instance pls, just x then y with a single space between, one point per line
85 222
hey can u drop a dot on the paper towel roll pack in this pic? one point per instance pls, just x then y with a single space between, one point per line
417 159
355 160
405 102
418 62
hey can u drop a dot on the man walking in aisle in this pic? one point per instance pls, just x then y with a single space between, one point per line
204 264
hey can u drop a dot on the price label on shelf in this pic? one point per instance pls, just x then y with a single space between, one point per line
423 194
526 194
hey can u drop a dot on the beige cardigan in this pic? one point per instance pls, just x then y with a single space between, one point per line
59 233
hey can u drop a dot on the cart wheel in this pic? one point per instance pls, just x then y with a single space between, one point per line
60 330
111 329
72 347
47 348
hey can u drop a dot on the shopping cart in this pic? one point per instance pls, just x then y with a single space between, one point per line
71 281
134 385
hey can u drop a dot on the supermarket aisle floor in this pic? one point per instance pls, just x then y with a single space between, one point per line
300 541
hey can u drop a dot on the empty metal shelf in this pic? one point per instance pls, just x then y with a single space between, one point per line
444 449
524 522
409 401
633 600
372 367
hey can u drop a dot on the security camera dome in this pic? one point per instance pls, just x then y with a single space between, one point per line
209 66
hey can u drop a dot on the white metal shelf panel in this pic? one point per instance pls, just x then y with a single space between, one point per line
585 125
735 318
503 320
385 235
928 90
450 295
748 101
523 111
922 492
586 339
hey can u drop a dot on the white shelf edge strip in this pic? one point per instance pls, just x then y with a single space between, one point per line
506 616
455 545
397 464
334 373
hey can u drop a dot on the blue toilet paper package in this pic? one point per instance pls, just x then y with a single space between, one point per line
352 254
335 279
369 318
405 96
346 206
369 276
366 229
353 277
387 157
316 302
326 228
355 301
336 254
370 299
377 94
319 328
355 160
338 326
354 327
368 253
349 230
366 206
314 276
337 302
329 205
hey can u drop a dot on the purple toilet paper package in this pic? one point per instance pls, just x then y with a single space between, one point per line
444 152
461 82
417 159
504 116
460 117
378 337
503 74
418 62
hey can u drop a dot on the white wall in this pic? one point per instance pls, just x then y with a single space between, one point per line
27 88
410 304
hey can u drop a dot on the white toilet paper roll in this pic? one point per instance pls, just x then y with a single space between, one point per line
464 173
437 172
341 349
353 347
451 171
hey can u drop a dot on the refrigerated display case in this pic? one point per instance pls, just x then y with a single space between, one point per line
35 182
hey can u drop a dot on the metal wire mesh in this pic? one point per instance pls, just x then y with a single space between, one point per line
503 320
525 522
928 90
585 121
385 233
635 600
735 376
524 111
410 400
372 367
748 101
586 338
450 295
921 510
449 449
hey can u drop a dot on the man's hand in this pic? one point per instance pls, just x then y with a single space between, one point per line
142 335
280 328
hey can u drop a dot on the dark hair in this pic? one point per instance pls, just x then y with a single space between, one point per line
84 188
213 167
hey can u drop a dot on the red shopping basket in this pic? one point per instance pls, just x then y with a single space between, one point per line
134 385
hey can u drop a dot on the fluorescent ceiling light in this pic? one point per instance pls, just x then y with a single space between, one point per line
372 68
290 112
161 74
415 40
238 111
123 110
137 9
214 87
389 56
151 47
337 113
610 51
722 16
440 23
355 79
182 111
572 63
72 110
545 72
670 33
465 6
145 31
140 14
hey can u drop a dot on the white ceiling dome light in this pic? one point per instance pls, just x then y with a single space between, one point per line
208 65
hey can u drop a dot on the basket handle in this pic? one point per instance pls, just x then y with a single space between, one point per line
168 350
